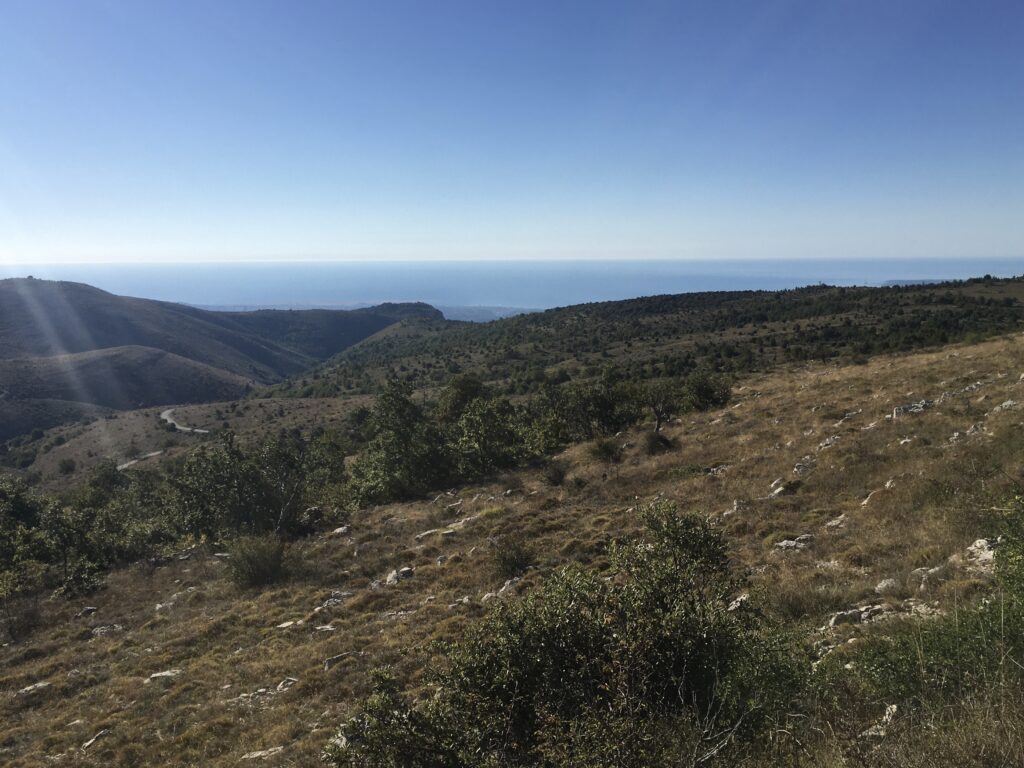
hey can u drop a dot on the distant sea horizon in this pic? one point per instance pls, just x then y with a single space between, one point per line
526 285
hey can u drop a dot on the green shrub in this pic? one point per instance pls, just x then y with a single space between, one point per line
257 561
635 669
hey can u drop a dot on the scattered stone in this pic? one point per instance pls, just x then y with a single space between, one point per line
399 575
979 557
167 674
107 629
738 505
341 531
836 523
464 601
920 609
886 586
32 690
1006 406
424 534
800 542
852 616
441 560
287 683
828 442
880 729
89 610
93 740
805 465
739 602
872 612
919 407
337 598
848 416
905 440
263 754
447 535
285 625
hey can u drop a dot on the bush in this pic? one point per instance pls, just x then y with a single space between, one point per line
512 556
607 450
655 443
638 668
555 472
19 602
257 561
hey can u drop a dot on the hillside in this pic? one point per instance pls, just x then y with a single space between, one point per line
656 336
856 489
75 343
123 378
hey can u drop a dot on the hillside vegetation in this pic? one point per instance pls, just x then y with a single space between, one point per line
659 336
831 533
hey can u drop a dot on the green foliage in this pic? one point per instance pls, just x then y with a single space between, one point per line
405 457
560 676
223 489
462 390
257 561
703 391
19 600
487 437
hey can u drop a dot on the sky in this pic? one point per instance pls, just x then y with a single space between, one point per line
187 130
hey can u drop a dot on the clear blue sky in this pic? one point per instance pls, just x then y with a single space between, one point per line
149 130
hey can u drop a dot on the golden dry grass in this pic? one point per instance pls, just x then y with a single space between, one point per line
227 643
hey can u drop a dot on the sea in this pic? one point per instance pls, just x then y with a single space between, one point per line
493 288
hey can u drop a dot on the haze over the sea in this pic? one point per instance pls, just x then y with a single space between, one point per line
524 284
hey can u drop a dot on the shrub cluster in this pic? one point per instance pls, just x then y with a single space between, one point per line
640 667
472 433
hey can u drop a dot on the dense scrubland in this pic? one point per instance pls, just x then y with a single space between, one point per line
742 560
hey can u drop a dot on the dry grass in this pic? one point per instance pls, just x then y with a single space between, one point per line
226 642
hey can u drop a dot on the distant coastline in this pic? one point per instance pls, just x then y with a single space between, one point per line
489 286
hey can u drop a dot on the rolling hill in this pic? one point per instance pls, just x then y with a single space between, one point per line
73 343
656 336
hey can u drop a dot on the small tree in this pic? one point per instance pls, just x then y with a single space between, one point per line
663 399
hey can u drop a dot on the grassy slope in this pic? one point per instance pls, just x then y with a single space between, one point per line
229 648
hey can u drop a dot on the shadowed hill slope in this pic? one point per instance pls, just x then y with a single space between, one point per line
71 342
119 377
